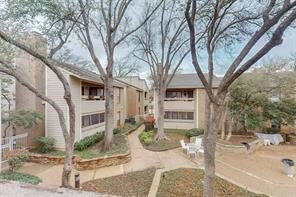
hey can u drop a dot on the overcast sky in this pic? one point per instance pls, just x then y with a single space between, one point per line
285 50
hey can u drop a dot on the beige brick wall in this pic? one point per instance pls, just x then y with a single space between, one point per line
34 71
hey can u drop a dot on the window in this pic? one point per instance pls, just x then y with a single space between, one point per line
190 94
82 91
139 96
173 115
85 121
119 96
93 91
146 95
146 109
102 117
93 119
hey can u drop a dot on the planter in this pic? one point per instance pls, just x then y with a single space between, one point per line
47 159
254 145
114 160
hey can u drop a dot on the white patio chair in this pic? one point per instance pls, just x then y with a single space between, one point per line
185 147
192 151
266 142
198 142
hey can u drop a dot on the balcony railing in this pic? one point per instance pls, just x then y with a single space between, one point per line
90 97
179 99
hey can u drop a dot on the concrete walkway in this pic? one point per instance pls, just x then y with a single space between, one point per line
9 189
259 172
141 159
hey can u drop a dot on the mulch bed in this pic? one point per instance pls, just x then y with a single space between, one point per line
174 141
188 182
131 184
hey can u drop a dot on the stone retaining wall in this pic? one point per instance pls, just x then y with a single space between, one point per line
292 139
85 164
89 164
254 145
46 159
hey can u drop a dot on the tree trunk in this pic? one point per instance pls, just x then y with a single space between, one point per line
224 123
109 113
213 116
69 138
160 116
66 176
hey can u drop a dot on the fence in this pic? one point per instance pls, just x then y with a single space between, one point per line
13 143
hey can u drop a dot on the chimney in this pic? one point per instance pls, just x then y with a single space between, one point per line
34 71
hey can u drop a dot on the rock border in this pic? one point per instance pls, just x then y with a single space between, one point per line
254 145
87 164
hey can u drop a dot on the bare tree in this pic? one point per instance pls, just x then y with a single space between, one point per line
59 21
110 21
232 23
125 67
162 45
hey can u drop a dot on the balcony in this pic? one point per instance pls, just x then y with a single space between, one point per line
180 104
88 106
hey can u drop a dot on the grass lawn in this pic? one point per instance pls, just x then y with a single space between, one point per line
188 182
20 177
174 135
120 147
131 184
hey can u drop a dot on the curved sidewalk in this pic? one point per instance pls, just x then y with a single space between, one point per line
140 159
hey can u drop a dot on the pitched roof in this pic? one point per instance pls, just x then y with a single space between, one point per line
190 80
135 81
81 72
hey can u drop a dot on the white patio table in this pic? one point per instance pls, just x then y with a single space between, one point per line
274 139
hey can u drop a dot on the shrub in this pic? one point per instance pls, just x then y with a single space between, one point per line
20 177
45 144
88 141
146 137
194 132
116 130
16 159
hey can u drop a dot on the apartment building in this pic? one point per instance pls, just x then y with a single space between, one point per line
87 90
184 104
137 96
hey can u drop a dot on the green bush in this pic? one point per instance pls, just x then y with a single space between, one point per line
146 137
16 159
45 144
88 141
20 177
194 132
116 130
